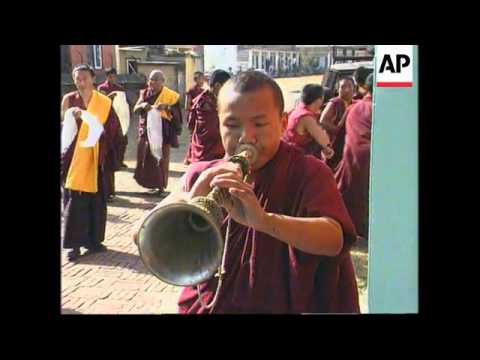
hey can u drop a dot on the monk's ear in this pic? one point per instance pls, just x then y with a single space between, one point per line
284 120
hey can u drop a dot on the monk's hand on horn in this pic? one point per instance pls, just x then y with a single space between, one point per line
203 184
243 204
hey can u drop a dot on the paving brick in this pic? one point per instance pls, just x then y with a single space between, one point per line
126 295
129 285
91 293
75 303
91 282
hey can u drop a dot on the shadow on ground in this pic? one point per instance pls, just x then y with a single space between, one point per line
171 173
115 258
176 174
70 312
143 195
116 219
125 203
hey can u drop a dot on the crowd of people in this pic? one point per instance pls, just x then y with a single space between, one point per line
305 202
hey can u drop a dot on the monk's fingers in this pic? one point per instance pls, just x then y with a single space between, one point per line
246 196
226 176
225 199
227 167
229 182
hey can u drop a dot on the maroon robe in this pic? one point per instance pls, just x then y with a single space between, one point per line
85 214
337 136
306 142
353 171
149 172
106 88
191 95
266 275
357 96
206 143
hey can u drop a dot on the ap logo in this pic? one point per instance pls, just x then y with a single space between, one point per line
394 65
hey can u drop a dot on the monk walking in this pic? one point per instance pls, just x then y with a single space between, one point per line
206 142
192 93
156 100
107 88
82 167
331 119
353 171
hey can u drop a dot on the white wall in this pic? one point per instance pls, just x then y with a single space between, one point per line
220 57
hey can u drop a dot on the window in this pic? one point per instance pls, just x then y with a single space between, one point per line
97 56
131 66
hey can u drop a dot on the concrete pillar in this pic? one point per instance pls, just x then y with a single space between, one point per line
189 70
119 62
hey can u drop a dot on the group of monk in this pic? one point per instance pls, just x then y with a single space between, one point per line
339 135
88 172
293 220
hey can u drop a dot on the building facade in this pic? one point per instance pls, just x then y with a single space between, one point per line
177 62
273 59
100 57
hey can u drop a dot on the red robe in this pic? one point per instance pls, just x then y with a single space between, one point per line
353 171
337 138
85 214
206 143
191 95
265 275
150 173
306 142
106 88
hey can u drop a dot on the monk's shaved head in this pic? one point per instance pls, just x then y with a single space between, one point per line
156 80
249 81
157 75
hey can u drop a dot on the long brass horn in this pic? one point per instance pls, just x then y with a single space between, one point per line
181 243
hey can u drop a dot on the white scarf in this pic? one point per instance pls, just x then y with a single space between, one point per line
155 133
70 129
120 105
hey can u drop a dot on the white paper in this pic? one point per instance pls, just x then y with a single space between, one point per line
120 105
155 133
69 130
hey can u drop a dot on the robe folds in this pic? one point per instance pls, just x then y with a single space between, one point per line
266 275
206 142
353 172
